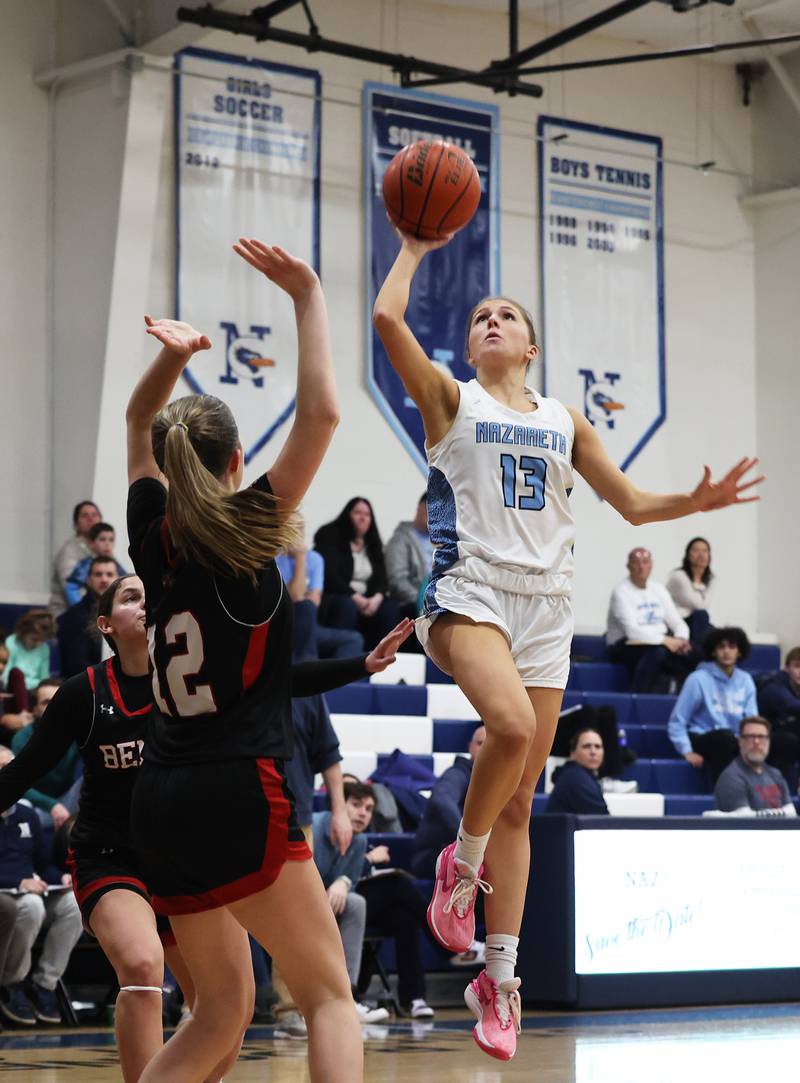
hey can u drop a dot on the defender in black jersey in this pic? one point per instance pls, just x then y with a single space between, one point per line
212 814
106 711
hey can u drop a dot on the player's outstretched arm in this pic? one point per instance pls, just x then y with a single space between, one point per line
435 394
316 408
592 463
179 341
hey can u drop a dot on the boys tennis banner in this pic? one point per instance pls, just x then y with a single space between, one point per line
601 215
247 164
449 281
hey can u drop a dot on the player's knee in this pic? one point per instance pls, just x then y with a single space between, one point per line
142 967
511 734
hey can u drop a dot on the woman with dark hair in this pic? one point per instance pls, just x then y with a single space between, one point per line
691 588
84 516
355 573
704 723
212 814
497 615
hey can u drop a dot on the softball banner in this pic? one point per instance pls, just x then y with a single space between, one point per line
247 164
449 281
601 244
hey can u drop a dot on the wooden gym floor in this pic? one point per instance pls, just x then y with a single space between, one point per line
736 1044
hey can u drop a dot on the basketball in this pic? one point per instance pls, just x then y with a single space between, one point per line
431 189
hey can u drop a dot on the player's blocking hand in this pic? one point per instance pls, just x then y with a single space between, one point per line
382 656
180 338
711 495
293 275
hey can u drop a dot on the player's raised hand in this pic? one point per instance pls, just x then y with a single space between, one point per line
711 495
382 656
180 338
293 275
418 246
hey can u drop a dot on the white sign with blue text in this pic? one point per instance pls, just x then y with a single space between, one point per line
247 147
601 211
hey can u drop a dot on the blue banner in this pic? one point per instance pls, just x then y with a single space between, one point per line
451 280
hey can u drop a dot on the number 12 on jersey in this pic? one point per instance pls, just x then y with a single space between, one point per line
534 476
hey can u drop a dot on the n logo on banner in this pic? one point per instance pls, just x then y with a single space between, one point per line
600 401
244 355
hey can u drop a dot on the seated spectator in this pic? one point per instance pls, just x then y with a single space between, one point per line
355 574
645 632
28 656
394 907
303 571
409 556
24 865
339 871
439 824
11 719
779 694
749 786
576 786
616 755
716 697
84 516
690 587
56 795
80 643
101 540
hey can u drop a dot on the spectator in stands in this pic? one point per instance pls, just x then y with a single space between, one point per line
355 574
749 785
80 643
28 656
439 824
716 697
644 631
303 571
84 516
576 786
779 694
690 587
409 556
56 794
394 906
102 538
339 871
24 865
11 719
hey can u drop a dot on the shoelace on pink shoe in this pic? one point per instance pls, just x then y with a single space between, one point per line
464 893
508 1008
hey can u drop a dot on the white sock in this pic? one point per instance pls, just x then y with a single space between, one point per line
470 848
501 956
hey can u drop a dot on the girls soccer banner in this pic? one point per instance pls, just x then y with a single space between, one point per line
449 281
601 244
247 156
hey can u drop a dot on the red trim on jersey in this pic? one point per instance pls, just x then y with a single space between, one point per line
111 677
93 886
90 675
254 659
166 541
278 850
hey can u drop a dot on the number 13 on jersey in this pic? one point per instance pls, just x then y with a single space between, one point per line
534 476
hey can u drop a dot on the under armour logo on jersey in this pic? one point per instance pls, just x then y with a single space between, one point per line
25 831
106 709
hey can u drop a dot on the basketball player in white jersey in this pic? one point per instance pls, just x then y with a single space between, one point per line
497 613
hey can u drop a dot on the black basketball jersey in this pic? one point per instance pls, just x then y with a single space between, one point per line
220 647
112 754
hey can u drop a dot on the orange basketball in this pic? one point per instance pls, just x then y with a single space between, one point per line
431 189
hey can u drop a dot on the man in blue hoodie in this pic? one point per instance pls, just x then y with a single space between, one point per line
713 701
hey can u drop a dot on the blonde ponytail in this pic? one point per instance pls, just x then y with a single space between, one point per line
230 533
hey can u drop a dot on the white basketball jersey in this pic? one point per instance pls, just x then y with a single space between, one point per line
498 492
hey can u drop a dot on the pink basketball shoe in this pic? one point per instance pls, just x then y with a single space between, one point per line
497 1008
451 914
